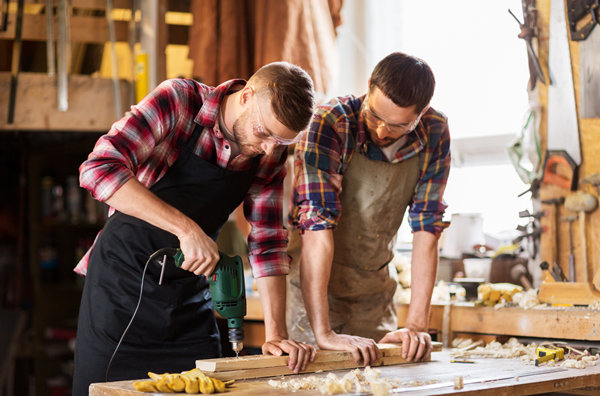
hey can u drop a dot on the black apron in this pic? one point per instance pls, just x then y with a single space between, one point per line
175 323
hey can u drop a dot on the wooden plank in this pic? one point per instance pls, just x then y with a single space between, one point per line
87 29
91 106
260 366
567 323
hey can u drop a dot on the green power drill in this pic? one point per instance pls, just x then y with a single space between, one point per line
228 294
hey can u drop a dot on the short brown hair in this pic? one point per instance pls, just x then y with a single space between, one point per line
405 79
290 90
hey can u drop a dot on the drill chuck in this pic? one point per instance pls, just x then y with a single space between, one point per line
236 338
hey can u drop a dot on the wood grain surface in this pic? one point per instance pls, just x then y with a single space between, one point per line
439 371
260 366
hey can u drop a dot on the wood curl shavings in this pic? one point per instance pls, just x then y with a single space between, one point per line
366 381
513 349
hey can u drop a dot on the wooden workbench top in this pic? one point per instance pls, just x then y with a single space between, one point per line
514 373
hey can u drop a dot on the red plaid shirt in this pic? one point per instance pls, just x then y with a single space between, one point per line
148 140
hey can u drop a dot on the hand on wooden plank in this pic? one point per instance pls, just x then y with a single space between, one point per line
300 354
416 345
364 350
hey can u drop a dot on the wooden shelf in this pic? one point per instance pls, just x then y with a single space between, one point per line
570 323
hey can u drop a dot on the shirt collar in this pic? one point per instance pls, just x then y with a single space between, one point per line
208 114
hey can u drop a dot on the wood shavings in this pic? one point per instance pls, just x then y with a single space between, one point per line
527 299
513 349
366 381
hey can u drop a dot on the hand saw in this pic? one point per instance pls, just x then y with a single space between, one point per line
563 131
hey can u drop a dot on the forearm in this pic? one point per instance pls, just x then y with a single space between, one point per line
315 271
423 272
272 290
136 200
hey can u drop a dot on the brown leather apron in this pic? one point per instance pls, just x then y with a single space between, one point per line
375 195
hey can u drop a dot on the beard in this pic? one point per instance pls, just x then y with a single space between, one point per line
241 138
388 141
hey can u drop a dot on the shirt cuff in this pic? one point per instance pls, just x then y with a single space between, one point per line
270 264
314 220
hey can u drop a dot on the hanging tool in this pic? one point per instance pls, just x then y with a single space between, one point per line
64 56
555 272
583 203
549 352
134 36
583 15
228 294
528 32
50 61
563 131
570 220
560 169
114 64
556 203
16 62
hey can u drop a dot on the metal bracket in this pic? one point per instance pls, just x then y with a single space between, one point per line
583 15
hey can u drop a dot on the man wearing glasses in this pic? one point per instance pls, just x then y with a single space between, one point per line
173 169
363 162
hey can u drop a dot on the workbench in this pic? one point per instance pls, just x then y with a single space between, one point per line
517 379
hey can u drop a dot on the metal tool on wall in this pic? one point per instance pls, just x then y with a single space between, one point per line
16 62
570 220
114 63
50 59
563 130
528 32
556 203
64 56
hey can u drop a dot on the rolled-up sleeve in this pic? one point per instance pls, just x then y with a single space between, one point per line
428 207
263 208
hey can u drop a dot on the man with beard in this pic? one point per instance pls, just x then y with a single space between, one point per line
173 169
363 161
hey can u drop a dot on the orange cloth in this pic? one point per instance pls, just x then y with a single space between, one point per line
234 38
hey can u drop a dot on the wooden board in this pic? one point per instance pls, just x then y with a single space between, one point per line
91 103
260 366
439 369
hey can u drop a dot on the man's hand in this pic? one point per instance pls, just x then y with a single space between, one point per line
364 350
300 354
416 345
200 252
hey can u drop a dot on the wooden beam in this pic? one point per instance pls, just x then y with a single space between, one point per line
568 323
87 29
91 105
260 366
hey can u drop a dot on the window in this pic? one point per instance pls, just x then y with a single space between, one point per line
481 71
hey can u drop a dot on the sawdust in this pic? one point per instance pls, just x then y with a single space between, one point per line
366 381
513 349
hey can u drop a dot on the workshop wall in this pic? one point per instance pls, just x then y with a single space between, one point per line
589 131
